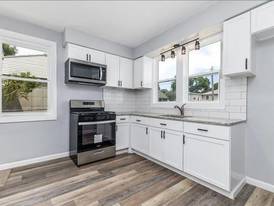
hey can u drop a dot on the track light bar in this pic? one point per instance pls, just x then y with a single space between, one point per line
183 51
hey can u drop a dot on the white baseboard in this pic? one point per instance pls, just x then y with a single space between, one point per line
260 184
33 160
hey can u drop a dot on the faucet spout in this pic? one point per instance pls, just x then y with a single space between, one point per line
181 109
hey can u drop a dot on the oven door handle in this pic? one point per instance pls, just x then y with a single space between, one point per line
97 122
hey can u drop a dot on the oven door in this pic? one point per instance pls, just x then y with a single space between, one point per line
80 71
96 135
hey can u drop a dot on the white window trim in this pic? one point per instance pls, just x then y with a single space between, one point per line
42 45
220 104
155 102
182 82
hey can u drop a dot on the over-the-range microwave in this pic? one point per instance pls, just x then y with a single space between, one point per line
82 72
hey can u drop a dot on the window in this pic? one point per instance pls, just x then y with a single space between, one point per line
28 78
167 80
204 73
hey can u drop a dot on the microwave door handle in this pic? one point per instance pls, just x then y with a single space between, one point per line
101 73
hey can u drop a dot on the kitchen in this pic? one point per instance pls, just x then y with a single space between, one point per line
192 103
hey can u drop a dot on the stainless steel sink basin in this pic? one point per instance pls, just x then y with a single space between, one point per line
174 116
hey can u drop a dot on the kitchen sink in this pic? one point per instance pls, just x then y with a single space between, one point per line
174 116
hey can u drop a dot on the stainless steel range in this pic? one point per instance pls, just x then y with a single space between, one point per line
92 131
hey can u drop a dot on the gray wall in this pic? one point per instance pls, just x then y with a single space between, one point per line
260 113
20 141
214 15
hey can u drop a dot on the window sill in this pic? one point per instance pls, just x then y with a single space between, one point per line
13 118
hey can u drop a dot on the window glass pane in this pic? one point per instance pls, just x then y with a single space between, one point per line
167 91
167 69
205 60
204 68
200 88
23 96
23 62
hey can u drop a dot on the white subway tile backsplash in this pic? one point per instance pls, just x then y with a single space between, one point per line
123 100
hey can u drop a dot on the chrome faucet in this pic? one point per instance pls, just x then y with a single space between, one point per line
182 109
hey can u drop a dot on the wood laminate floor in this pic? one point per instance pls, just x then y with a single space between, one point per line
126 180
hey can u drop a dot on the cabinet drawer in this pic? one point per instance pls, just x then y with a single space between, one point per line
166 124
122 119
215 131
140 120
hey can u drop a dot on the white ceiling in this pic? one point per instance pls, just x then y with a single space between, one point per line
129 23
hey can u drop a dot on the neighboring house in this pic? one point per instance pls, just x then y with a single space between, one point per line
36 65
207 96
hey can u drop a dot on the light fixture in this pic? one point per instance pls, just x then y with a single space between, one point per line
172 54
197 45
183 51
163 58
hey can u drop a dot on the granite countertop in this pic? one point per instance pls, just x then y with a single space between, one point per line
204 120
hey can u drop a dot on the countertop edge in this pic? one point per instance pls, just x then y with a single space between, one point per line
205 121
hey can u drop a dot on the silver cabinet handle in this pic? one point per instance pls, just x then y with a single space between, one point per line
122 118
141 83
137 120
87 57
184 139
146 130
164 134
246 63
161 134
163 124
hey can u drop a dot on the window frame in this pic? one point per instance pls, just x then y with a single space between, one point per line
155 102
220 104
43 45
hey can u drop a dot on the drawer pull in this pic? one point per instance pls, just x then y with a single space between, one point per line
163 124
184 139
122 118
137 120
202 130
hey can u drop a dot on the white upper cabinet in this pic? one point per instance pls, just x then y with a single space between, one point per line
143 67
113 67
262 21
237 46
85 54
126 73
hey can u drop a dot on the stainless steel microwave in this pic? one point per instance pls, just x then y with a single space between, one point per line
82 72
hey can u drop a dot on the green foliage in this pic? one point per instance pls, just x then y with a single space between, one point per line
8 50
15 89
199 85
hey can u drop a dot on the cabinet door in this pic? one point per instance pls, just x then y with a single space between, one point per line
112 63
122 136
237 46
126 72
156 143
173 149
77 52
97 56
262 18
138 73
208 159
147 72
139 138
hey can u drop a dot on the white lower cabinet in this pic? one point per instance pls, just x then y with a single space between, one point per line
122 136
166 146
208 159
140 138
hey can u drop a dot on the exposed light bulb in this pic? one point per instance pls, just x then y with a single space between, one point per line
197 45
163 58
183 51
172 54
